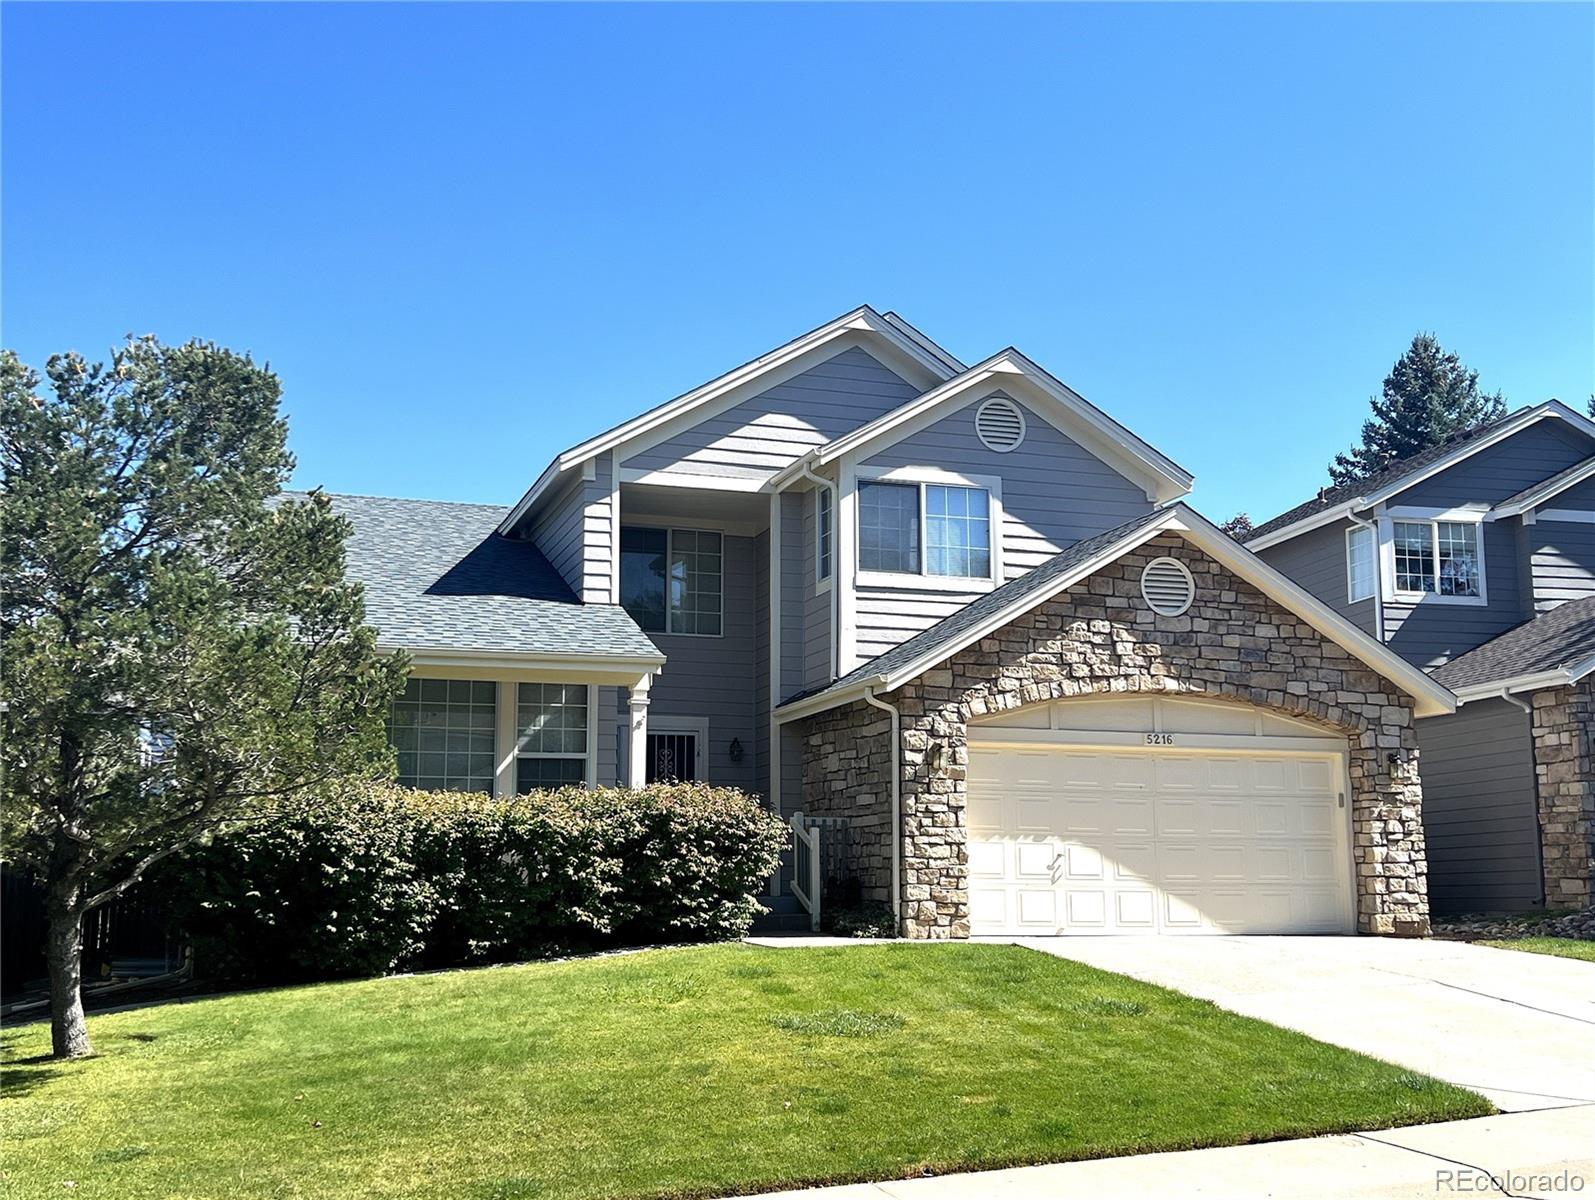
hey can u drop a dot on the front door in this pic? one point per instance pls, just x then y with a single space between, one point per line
674 756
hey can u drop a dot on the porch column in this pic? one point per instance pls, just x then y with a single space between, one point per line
637 737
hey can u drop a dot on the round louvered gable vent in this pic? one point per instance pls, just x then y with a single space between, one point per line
1167 586
1000 424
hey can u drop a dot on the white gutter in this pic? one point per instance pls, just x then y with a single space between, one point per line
897 802
1520 703
1378 557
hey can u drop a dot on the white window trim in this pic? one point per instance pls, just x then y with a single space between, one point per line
516 738
1433 517
1373 564
670 552
697 726
822 583
922 580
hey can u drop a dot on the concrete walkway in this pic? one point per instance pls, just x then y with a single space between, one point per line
1520 1028
1527 1153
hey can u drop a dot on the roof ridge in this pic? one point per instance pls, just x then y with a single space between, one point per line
396 499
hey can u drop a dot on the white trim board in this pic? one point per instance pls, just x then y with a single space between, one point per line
1532 682
1531 498
1430 698
1550 409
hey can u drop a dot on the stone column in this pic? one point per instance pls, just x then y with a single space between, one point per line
1566 790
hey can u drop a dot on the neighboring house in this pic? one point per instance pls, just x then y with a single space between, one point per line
959 610
1476 561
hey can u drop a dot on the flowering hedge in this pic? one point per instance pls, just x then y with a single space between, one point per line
376 878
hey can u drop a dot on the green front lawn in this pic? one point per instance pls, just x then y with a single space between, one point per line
1560 947
675 1072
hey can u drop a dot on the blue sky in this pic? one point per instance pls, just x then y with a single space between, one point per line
467 237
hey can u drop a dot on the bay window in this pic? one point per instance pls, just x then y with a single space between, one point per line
956 520
551 735
672 580
1438 558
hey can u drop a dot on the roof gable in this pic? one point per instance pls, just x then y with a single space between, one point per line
1335 502
997 608
1010 372
896 343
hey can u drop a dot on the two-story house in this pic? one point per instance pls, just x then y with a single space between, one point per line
958 608
1476 561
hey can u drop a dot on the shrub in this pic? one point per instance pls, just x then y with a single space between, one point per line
374 877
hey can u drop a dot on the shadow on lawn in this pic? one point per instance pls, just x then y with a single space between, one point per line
19 1076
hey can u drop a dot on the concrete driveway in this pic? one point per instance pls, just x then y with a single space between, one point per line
1518 1027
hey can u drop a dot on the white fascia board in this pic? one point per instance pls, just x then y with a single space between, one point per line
824 701
1430 698
1074 416
1532 682
863 319
620 666
1551 408
953 363
1535 497
702 482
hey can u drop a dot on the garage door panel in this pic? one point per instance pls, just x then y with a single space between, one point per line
1145 841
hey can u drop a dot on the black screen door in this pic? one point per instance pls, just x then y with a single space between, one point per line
672 757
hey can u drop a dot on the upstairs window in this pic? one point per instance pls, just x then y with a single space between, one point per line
957 529
1439 558
823 520
888 527
1359 564
672 580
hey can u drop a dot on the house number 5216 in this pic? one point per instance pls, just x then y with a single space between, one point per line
1160 739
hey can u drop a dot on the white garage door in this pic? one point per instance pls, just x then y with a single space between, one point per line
1079 839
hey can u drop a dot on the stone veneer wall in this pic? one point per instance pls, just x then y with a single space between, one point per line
1100 636
847 772
1565 781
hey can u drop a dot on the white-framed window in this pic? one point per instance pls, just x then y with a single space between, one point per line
442 731
1359 563
551 731
1438 558
928 528
672 580
824 533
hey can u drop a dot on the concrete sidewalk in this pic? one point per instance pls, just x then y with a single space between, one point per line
1549 1153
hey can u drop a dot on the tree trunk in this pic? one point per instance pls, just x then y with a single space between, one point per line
69 1035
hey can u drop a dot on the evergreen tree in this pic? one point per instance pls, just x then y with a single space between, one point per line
1428 397
178 646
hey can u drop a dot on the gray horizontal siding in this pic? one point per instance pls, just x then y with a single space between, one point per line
1580 496
1501 470
611 736
573 531
1054 494
794 605
714 678
1054 491
1316 561
1479 817
769 431
761 664
1432 631
1561 560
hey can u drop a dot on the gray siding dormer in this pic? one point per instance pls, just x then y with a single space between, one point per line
1504 469
1054 494
1317 561
573 530
761 435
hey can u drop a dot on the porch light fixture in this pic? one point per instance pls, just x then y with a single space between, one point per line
735 750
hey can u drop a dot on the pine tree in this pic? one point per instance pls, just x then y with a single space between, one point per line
1428 397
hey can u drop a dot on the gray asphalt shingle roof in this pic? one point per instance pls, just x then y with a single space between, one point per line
1559 638
437 577
947 631
1394 473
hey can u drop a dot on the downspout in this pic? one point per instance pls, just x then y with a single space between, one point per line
1534 764
897 803
1378 586
836 584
